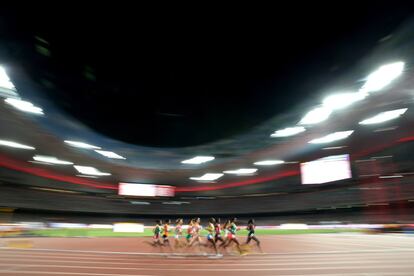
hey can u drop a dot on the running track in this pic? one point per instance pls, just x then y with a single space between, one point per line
327 254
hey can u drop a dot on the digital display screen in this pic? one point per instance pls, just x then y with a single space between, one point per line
327 169
147 190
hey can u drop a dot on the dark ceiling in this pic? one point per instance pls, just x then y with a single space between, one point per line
176 80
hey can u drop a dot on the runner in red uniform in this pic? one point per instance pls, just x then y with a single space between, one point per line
189 235
231 237
217 230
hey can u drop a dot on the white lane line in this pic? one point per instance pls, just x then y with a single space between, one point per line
209 262
225 259
245 259
342 242
254 256
376 268
111 274
101 252
10 269
398 236
106 274
30 272
206 255
191 263
342 252
59 259
97 253
376 239
353 244
30 252
356 274
401 242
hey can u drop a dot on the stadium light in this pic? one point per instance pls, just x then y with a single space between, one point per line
110 154
15 145
86 170
289 131
81 145
334 148
5 80
24 106
269 162
208 177
342 100
384 116
198 160
242 171
316 115
332 137
51 160
86 176
382 77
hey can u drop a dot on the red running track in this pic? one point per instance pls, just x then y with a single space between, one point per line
324 254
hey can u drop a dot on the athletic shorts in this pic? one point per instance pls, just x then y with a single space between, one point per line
209 236
165 237
231 236
156 236
217 236
189 236
250 235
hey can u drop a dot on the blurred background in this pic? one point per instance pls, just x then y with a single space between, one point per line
301 119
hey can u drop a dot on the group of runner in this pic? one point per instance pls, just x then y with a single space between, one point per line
218 235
